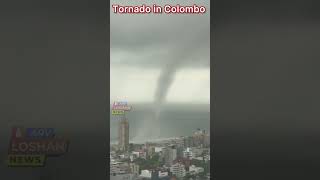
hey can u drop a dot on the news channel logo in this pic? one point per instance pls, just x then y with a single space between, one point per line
30 147
120 107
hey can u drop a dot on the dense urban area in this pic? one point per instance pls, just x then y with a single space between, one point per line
185 157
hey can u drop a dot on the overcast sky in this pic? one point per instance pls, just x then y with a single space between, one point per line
142 45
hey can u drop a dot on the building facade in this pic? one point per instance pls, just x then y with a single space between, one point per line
123 134
178 170
170 154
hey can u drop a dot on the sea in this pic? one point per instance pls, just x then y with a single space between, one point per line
175 120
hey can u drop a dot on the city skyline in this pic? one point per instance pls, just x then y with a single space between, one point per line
183 157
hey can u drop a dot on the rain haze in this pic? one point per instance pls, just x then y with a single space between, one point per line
160 64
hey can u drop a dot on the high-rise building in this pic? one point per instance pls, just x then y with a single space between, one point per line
180 150
207 140
188 141
199 137
123 134
170 154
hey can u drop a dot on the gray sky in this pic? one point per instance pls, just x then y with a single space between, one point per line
142 45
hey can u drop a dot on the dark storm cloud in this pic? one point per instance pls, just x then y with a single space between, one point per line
158 39
168 42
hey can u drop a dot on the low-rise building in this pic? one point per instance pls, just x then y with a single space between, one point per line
146 174
178 169
187 153
158 149
134 168
123 177
195 170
